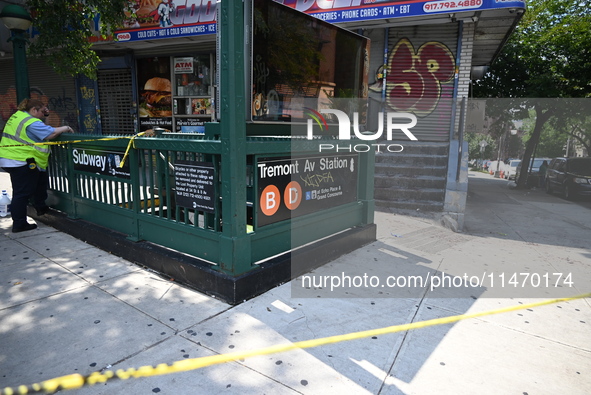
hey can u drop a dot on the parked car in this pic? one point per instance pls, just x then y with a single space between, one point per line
534 176
569 176
511 169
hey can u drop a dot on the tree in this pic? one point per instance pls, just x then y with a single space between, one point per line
578 129
474 150
65 29
551 142
548 56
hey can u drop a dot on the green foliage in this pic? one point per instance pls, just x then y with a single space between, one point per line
474 140
551 141
65 28
578 128
548 56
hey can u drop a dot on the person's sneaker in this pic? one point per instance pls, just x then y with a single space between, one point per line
23 228
42 210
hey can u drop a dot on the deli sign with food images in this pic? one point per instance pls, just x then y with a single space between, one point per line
153 19
156 98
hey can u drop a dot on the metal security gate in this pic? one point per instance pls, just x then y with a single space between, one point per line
115 93
420 77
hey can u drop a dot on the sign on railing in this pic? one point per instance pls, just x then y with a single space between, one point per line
195 185
100 162
290 187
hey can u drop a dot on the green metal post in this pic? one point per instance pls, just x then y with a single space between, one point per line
18 20
366 185
21 71
235 247
137 199
72 184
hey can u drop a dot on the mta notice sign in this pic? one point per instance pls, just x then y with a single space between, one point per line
290 187
194 183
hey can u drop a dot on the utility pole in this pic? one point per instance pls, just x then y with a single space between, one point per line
483 145
498 172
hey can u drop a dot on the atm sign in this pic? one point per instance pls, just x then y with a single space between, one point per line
183 65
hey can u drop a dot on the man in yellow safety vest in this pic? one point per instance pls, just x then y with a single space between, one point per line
26 160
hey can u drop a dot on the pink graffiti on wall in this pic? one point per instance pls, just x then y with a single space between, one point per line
413 79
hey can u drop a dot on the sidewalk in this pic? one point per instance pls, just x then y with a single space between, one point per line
67 307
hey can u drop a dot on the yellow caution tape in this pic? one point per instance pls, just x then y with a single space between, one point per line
74 381
131 142
75 141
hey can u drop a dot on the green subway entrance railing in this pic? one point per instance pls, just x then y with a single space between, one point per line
203 196
141 200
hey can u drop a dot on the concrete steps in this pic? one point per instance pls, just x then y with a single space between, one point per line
412 179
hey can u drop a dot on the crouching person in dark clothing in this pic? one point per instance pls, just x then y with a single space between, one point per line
26 162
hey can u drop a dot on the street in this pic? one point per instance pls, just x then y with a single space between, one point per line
539 219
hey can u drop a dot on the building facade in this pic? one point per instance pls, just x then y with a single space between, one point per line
160 71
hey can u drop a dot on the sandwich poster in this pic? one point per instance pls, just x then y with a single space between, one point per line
155 92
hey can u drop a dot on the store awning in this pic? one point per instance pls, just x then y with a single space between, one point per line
492 28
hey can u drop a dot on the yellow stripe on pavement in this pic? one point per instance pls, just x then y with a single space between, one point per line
74 381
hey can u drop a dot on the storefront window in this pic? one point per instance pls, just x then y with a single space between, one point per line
192 76
175 92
